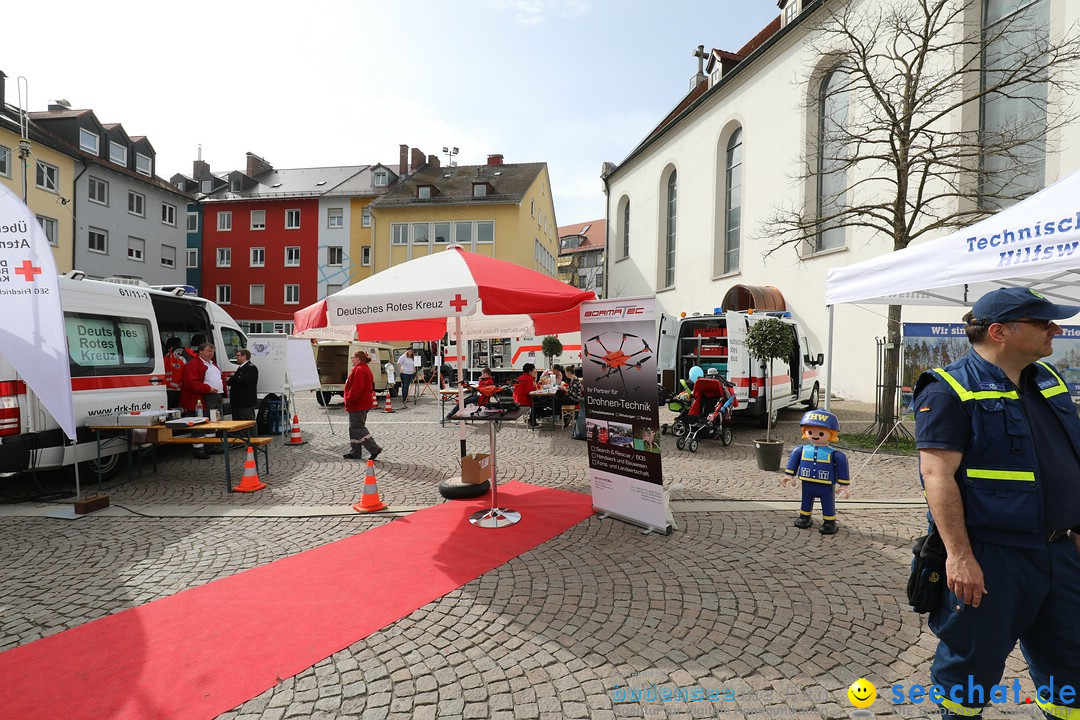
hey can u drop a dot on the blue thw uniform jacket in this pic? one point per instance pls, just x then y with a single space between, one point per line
819 464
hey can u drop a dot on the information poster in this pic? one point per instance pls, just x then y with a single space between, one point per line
622 426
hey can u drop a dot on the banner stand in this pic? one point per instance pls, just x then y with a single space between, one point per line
622 414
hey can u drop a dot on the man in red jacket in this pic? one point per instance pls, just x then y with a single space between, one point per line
193 388
359 399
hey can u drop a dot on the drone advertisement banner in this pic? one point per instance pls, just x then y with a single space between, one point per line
622 414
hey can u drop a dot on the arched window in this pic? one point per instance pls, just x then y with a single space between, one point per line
670 216
733 202
832 177
1012 122
624 228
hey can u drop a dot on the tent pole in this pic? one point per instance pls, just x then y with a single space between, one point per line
460 388
830 310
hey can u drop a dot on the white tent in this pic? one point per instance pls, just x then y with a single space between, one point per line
1035 243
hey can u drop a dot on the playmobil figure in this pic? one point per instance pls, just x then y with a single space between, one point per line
822 470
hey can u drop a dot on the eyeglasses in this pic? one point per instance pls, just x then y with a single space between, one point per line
1041 324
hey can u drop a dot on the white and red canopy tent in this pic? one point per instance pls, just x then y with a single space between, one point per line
447 292
426 298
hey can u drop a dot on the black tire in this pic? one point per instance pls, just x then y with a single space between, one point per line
664 429
454 489
678 428
323 398
814 399
769 419
681 443
726 436
110 465
693 445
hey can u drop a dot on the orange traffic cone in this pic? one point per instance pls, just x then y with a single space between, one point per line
387 407
295 440
250 482
369 501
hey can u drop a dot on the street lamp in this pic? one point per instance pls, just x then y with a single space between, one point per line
450 153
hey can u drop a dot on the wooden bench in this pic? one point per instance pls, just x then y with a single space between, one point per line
258 445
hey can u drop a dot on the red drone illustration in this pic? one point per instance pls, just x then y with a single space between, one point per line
618 360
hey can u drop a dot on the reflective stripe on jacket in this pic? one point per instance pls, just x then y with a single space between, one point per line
998 476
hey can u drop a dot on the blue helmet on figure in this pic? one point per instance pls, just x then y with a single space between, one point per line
820 418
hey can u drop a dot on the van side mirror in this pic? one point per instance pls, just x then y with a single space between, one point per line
820 360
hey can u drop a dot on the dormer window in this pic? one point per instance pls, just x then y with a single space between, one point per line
381 178
144 165
118 153
479 190
424 192
88 141
235 186
790 11
207 186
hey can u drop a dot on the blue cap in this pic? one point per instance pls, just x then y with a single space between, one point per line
1008 304
820 418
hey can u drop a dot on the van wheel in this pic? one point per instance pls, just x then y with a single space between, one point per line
769 419
323 398
815 397
110 465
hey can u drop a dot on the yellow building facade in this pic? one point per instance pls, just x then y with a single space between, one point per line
361 238
500 210
48 194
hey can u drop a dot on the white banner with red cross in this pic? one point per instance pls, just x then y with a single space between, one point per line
32 335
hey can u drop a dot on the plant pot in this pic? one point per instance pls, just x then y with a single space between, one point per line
768 454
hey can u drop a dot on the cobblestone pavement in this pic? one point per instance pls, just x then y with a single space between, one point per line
588 625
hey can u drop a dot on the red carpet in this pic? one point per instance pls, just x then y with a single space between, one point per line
206 650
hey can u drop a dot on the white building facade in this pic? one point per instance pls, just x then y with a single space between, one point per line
687 208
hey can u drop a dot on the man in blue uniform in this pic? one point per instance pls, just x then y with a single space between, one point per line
822 470
999 455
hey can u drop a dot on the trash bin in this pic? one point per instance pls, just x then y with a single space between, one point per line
272 418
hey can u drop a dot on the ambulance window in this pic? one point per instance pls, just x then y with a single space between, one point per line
100 345
234 340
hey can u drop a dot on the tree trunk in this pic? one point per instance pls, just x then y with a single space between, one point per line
890 374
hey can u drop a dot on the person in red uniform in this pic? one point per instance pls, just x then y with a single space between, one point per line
525 384
193 387
359 399
175 359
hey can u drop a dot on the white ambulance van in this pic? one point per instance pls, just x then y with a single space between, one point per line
505 357
115 336
333 365
719 341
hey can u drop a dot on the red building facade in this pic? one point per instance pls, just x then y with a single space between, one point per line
260 259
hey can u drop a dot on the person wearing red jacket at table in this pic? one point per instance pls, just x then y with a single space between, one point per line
193 388
359 399
525 384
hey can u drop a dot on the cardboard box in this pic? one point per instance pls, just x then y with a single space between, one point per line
475 468
156 435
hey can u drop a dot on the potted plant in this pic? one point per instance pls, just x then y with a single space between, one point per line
551 347
768 340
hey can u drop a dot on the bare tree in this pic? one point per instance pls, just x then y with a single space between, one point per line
930 116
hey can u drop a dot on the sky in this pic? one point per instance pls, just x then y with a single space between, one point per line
572 83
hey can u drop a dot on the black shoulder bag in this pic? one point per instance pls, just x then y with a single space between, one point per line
926 585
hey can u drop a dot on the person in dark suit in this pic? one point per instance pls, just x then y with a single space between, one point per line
242 387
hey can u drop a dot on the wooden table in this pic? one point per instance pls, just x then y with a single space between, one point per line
222 429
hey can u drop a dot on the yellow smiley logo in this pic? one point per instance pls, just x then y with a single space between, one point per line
862 693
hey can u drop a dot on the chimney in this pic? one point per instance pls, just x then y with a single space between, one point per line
433 161
416 159
403 161
257 166
200 171
495 159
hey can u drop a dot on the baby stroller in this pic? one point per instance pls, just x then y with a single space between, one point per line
710 414
676 403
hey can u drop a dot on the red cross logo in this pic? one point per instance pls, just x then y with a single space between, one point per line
28 270
457 303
